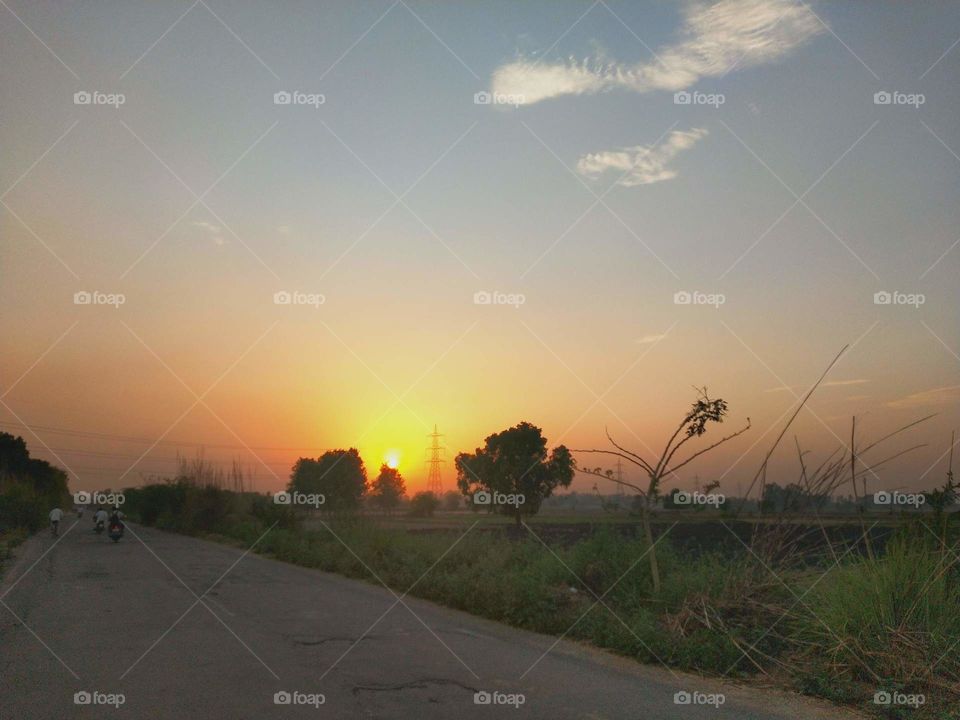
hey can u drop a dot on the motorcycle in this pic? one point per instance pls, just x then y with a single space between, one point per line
116 531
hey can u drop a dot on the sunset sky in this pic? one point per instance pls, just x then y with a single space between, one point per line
594 199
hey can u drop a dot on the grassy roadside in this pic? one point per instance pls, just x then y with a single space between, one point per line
837 631
8 541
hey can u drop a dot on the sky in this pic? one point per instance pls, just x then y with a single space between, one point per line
473 215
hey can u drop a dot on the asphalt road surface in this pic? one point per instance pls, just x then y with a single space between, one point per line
181 628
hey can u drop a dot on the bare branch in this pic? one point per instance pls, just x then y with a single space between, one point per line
643 463
612 479
719 442
611 452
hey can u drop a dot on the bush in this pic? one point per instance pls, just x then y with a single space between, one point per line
424 504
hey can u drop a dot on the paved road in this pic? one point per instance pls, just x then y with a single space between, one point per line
185 629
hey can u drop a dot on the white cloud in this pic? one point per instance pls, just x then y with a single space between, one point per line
829 383
647 339
641 164
716 39
213 230
937 396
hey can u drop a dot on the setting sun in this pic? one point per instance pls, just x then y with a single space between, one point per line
392 459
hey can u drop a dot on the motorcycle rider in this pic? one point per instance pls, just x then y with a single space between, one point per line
100 516
56 515
116 518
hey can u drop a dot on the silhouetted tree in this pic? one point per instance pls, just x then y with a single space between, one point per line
452 500
424 504
388 488
29 488
339 475
515 462
694 424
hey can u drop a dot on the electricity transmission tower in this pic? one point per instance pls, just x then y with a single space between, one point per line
434 482
620 490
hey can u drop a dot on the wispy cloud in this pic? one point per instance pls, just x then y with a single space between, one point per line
829 383
214 231
641 164
647 339
937 396
715 39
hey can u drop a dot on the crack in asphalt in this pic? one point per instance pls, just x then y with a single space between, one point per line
421 684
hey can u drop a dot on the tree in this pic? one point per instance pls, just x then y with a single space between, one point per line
514 464
694 424
388 489
339 475
424 504
28 487
452 500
